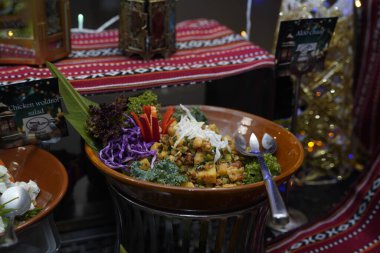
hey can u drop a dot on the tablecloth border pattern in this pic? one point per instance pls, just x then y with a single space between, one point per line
206 50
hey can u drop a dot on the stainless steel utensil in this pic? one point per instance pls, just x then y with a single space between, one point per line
18 200
279 212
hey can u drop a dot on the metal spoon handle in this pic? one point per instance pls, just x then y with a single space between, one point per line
9 237
276 203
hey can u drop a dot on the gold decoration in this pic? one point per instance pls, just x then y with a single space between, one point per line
324 124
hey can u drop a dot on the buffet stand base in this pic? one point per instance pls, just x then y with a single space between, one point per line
142 228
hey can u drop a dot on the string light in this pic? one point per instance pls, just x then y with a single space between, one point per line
319 143
243 34
10 33
326 94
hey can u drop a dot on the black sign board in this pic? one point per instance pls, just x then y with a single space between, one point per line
303 41
31 112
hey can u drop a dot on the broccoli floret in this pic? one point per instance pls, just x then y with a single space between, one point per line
272 164
136 103
136 172
252 172
163 172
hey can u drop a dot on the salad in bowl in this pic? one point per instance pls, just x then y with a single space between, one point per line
177 157
176 147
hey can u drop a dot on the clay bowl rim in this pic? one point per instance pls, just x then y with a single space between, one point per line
50 206
120 177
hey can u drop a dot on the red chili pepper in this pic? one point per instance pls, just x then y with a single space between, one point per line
155 129
148 123
147 109
138 122
167 119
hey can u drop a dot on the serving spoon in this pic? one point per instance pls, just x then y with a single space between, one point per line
279 212
16 199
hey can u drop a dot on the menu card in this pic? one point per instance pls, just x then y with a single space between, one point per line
31 112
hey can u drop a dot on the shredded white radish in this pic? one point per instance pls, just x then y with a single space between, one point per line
190 128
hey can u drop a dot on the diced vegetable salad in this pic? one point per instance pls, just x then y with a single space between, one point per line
177 147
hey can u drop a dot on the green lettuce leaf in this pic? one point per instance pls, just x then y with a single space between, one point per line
76 105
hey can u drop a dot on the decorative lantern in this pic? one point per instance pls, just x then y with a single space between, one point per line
34 31
285 53
287 49
9 135
147 28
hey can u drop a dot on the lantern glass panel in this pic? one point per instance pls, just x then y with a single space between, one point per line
34 31
147 28
15 20
52 11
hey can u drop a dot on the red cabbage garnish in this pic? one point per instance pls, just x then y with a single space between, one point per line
122 151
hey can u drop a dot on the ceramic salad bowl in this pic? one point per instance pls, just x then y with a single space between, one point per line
289 154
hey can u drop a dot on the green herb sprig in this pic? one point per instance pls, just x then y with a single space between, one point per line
135 104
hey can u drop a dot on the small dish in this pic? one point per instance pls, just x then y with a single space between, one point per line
45 169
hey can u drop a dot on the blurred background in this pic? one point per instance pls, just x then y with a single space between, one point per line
229 13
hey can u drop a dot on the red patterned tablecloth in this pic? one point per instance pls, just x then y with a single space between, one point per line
206 50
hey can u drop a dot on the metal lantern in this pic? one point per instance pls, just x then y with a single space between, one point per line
147 28
287 49
34 31
9 134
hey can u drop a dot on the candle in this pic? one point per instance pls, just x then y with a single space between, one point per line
80 21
